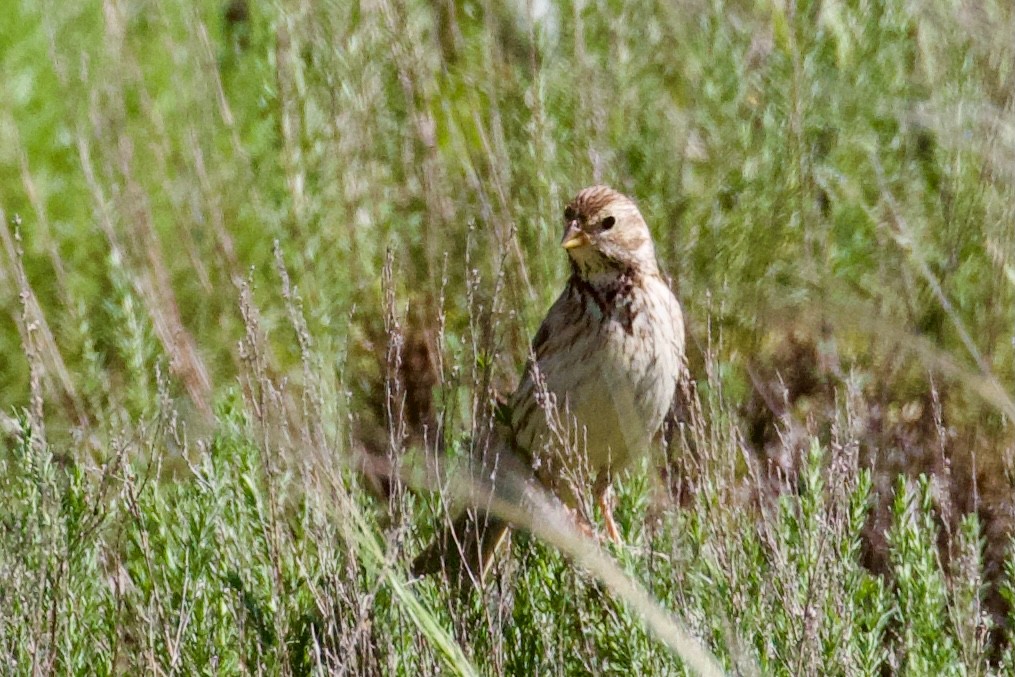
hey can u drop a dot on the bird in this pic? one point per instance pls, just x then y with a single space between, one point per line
602 374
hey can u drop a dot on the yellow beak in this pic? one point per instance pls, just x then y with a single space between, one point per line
574 237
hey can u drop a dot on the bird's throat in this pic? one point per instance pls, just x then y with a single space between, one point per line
607 288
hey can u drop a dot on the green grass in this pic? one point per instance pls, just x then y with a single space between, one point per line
243 251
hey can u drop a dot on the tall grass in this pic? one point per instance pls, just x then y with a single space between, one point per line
257 259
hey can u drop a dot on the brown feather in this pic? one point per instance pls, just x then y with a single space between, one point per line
467 547
604 368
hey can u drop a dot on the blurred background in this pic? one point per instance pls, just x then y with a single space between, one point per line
829 185
359 200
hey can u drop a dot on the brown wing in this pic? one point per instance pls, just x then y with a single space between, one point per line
552 331
680 409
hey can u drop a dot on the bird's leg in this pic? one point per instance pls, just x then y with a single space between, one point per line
571 499
584 525
549 476
603 492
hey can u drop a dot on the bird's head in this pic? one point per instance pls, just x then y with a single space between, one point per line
604 232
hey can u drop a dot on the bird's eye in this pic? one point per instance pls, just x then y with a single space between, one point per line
569 214
608 222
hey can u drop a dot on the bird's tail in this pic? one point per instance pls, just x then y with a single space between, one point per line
464 549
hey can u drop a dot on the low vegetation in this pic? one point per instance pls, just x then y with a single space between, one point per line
257 260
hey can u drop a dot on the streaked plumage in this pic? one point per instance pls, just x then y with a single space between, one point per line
605 367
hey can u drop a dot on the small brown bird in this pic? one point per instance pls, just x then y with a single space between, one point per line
604 370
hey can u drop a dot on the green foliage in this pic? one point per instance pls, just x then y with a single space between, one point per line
226 571
198 201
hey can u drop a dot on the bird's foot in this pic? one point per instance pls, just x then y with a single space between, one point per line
606 506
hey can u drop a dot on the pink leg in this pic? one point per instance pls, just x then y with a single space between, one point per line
603 491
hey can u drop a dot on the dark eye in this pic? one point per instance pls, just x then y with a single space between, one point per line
569 214
608 222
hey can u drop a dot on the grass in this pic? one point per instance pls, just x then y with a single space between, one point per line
253 253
